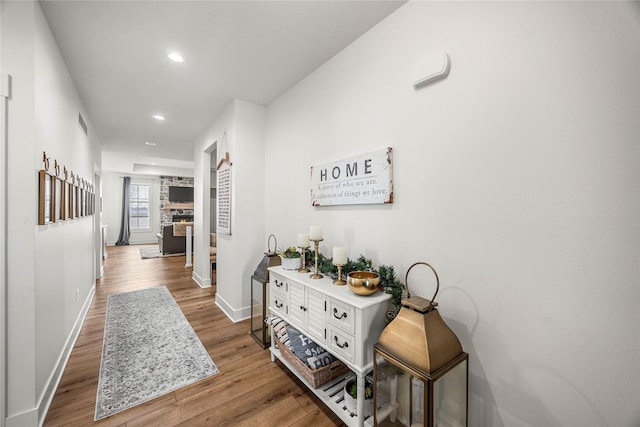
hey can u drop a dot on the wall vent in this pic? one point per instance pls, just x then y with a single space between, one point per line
82 124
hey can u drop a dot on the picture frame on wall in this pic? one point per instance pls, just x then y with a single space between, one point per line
78 198
82 197
45 198
84 202
71 201
64 205
57 199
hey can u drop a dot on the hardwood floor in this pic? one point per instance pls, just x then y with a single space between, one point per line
250 390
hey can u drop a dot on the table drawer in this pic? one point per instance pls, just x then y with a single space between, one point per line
278 303
278 284
342 344
342 316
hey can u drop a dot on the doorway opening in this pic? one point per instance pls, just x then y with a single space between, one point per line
210 158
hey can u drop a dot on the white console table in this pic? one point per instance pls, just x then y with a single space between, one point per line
345 324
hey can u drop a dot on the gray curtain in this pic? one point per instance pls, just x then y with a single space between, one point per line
123 239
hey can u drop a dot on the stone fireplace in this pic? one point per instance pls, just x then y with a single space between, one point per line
174 212
181 218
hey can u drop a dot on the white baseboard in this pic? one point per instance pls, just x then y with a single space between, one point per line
234 315
56 375
201 281
29 418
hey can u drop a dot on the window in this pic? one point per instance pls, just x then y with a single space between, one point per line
139 207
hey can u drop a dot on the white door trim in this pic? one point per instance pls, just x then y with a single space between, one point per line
5 94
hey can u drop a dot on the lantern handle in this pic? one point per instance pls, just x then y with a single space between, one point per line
406 280
269 243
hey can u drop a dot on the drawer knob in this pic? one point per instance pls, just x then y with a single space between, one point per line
279 305
335 314
345 345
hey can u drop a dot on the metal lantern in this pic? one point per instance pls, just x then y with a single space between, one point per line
420 372
259 294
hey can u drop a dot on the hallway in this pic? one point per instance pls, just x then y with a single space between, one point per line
249 390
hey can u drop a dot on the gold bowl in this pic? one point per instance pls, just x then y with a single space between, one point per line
363 282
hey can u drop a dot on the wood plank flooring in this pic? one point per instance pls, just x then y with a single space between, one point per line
250 390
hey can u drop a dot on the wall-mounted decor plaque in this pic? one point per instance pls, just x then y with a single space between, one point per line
224 195
359 180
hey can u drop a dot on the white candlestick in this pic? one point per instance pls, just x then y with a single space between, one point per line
303 240
315 232
339 255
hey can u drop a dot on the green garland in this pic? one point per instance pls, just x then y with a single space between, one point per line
389 282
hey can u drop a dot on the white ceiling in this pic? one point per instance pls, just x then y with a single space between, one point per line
116 52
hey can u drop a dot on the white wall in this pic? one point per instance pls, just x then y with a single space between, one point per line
112 208
516 177
51 269
4 95
238 253
20 236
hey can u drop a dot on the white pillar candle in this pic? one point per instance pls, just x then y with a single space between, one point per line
303 240
315 232
339 255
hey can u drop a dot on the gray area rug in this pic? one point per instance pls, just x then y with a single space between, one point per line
149 349
153 251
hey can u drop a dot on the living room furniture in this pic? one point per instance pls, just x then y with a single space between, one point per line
213 249
345 324
168 243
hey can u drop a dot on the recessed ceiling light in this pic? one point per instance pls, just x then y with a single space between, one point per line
176 57
151 143
158 117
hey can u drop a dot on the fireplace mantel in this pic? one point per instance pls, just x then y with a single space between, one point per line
169 206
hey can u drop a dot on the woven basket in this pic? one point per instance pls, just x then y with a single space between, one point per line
315 377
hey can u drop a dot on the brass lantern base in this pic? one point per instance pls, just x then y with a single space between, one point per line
383 414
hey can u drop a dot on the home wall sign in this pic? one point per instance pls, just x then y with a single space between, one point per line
224 195
359 180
